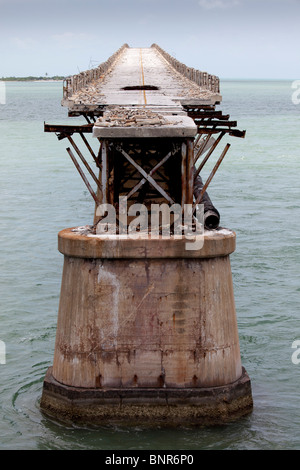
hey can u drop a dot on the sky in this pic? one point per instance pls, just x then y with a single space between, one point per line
255 39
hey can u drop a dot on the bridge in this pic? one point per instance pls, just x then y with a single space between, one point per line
147 328
142 94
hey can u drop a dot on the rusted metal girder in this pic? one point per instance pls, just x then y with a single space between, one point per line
145 175
231 132
84 162
215 122
63 130
93 194
208 154
151 173
213 172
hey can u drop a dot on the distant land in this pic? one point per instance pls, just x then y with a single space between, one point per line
32 79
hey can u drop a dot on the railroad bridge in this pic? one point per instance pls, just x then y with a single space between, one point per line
146 327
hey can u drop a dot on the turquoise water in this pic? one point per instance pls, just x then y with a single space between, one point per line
257 192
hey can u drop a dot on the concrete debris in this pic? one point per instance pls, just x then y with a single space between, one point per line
84 230
122 117
89 95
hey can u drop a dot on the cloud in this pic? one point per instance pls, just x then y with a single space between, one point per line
213 4
69 40
24 43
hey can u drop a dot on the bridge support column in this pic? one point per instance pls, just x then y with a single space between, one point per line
147 333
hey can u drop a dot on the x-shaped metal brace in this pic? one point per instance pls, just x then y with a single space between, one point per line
147 176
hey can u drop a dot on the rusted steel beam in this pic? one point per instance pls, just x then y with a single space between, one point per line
111 176
145 175
87 119
196 115
89 147
197 138
67 129
199 107
93 194
95 111
104 171
202 147
183 174
151 173
211 122
190 171
84 162
213 172
209 154
237 133
232 132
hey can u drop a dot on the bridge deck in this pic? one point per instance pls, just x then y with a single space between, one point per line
141 77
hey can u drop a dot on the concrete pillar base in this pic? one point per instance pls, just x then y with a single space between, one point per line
147 406
146 331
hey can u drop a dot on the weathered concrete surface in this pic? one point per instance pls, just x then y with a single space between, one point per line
80 242
137 67
131 322
148 407
174 127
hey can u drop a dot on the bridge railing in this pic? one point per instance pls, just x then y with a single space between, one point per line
203 79
74 83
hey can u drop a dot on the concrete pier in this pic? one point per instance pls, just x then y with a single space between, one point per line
146 329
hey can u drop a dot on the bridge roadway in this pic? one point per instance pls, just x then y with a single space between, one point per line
141 77
149 83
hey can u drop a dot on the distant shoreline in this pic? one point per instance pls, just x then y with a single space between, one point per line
32 79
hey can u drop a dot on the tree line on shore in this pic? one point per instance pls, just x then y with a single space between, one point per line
30 78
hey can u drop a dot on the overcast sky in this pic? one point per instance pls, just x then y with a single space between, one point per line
228 38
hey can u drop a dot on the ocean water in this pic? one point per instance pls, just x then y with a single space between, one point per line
257 192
